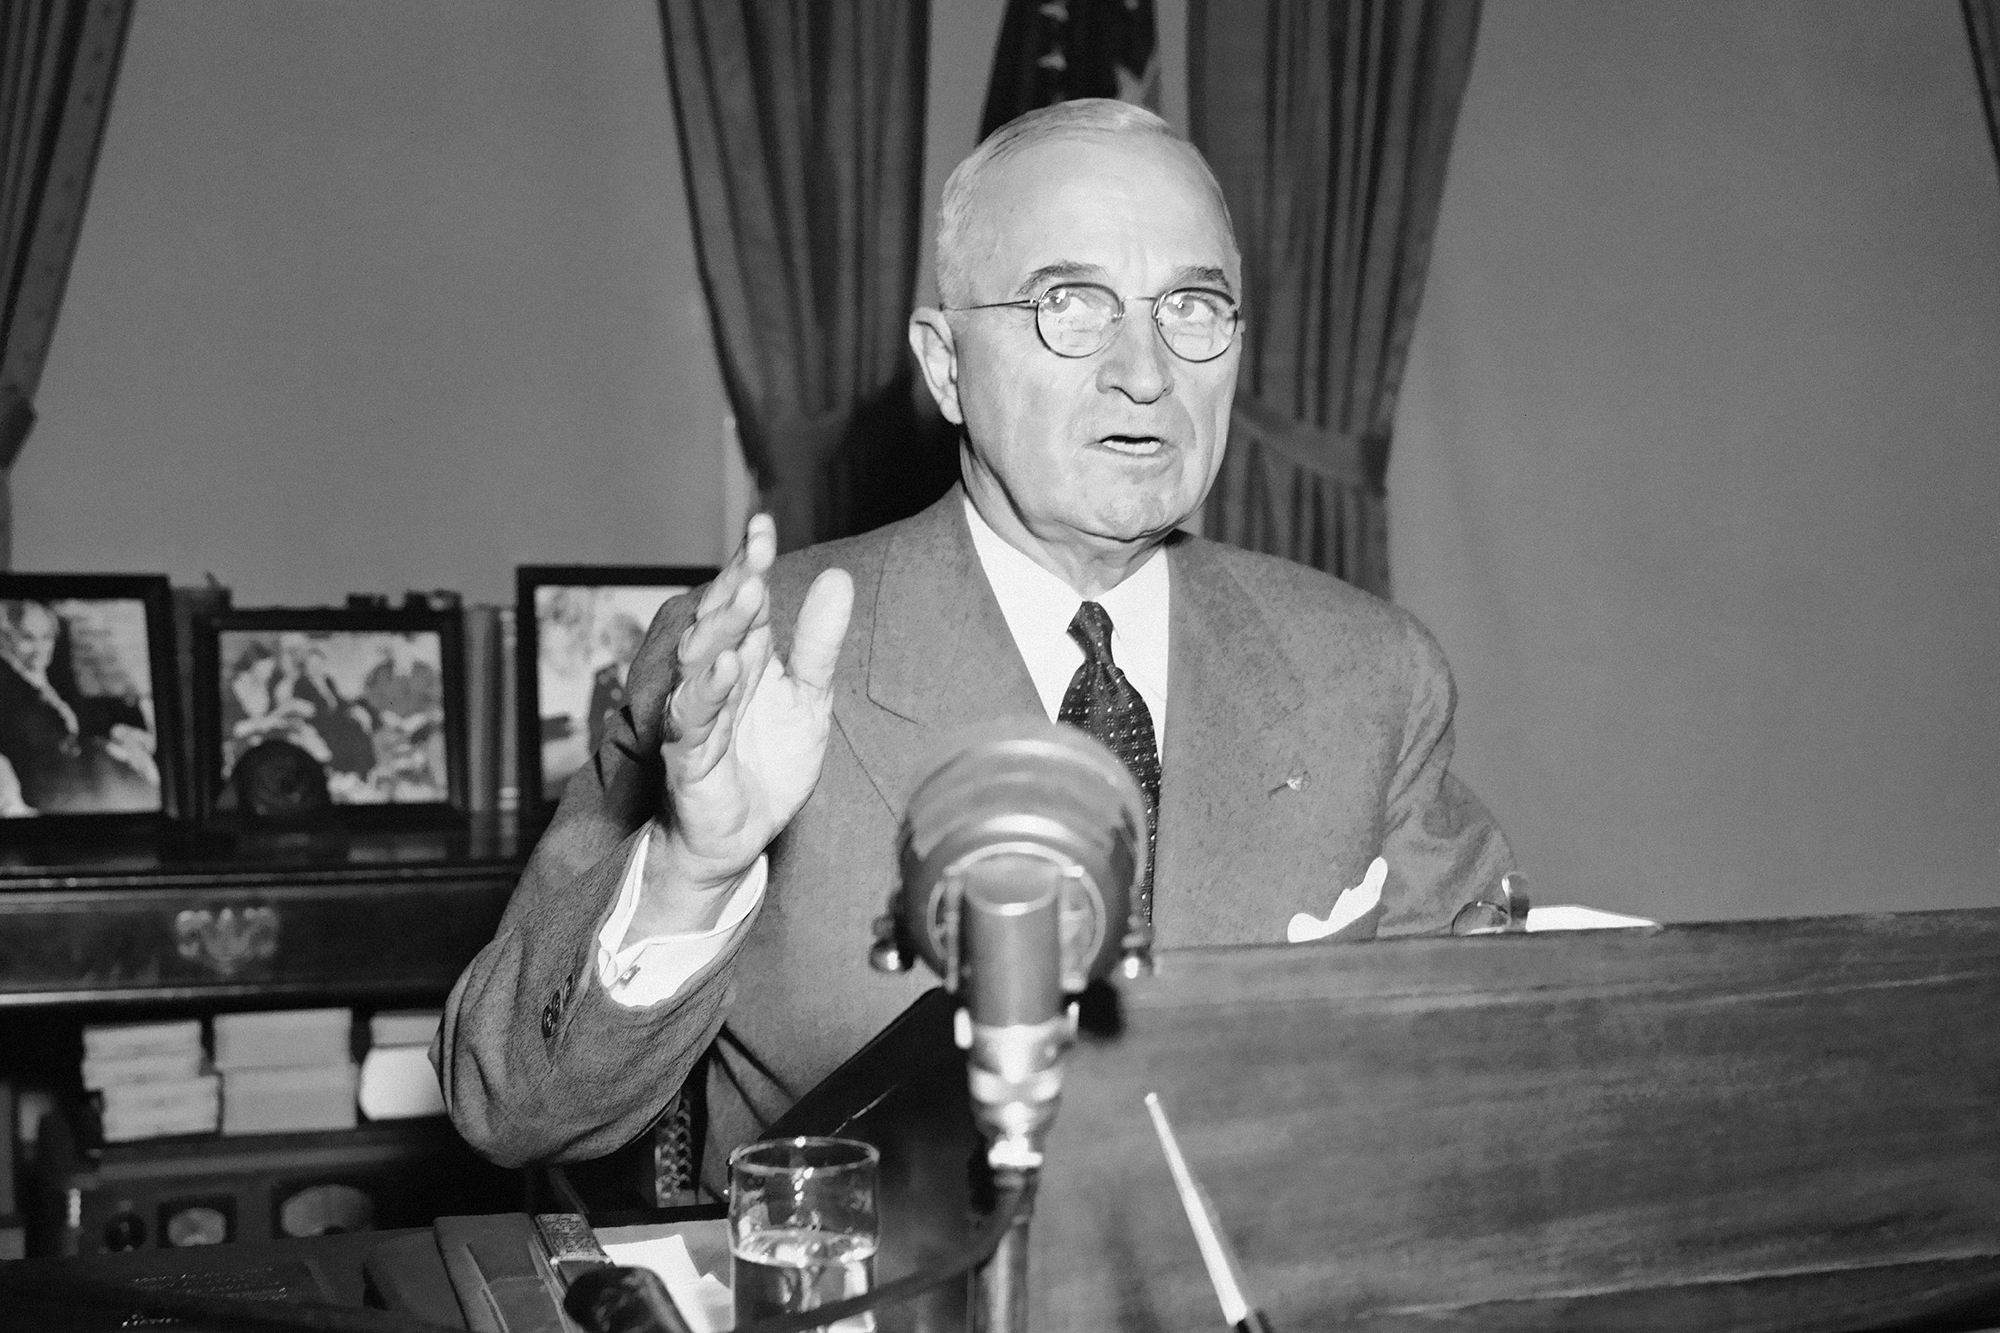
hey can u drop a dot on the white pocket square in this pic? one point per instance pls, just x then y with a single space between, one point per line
1349 907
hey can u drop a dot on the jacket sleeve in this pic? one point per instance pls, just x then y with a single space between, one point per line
537 1061
1442 845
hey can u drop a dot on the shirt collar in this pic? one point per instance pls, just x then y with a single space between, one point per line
1038 607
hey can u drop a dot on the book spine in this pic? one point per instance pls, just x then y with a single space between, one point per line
7 1114
509 799
482 708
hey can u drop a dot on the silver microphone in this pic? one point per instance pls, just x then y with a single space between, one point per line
1019 854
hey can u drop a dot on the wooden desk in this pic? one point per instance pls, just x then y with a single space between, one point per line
1747 1126
1782 1126
321 1269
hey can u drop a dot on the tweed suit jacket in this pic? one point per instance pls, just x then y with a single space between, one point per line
1308 731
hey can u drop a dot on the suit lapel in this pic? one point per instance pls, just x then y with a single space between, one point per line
940 655
1229 755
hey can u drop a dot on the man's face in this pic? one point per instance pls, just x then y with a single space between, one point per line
33 637
1116 447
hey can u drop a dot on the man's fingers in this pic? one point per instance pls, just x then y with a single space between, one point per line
822 625
693 708
723 627
753 556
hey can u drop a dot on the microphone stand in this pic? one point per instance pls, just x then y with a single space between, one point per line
997 1301
1014 1029
1019 853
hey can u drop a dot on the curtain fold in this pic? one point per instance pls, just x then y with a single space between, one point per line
1329 123
801 131
1982 27
57 67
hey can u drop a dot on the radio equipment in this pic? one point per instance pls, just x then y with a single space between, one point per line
208 1190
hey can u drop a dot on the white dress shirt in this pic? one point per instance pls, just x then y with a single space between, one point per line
1038 607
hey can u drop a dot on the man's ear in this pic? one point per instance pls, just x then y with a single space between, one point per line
937 356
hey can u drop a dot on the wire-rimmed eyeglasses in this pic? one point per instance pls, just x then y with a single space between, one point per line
1500 910
1078 319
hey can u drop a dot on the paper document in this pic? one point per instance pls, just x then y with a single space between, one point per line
1568 916
702 1298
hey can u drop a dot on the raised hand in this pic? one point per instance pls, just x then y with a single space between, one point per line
746 731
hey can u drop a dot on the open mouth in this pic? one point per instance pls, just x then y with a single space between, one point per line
1133 446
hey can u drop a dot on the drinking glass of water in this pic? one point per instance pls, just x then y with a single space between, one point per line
802 1226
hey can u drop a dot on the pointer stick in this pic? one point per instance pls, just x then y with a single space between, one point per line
1225 1273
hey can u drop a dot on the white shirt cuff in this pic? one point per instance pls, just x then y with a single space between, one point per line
653 969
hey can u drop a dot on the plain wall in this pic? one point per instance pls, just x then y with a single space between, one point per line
1697 471
373 296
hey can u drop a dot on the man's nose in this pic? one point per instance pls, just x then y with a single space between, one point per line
1138 363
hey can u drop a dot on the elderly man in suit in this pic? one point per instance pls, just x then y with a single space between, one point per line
722 857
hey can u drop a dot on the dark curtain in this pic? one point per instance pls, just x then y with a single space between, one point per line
57 68
801 129
1328 123
1049 53
1982 26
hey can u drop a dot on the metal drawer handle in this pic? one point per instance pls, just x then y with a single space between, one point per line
228 940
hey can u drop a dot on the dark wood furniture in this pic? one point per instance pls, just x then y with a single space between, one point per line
140 931
1775 1125
1748 1126
387 917
1788 1125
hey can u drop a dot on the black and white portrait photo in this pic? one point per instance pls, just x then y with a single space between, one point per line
78 733
369 706
586 633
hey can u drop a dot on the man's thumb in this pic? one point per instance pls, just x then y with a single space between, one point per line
821 627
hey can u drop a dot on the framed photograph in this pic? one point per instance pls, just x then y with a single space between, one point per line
578 628
90 731
315 716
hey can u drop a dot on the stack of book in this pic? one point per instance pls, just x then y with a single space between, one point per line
286 1071
150 1079
397 1081
13 1232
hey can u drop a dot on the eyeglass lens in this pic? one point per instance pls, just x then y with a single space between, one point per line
1079 319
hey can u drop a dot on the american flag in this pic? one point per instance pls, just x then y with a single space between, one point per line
1053 50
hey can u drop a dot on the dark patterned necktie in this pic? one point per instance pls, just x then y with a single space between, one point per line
1102 702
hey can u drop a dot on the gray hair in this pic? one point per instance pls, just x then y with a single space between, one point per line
1080 118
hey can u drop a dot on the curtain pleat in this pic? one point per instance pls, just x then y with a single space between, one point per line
57 70
801 130
1982 28
1329 123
